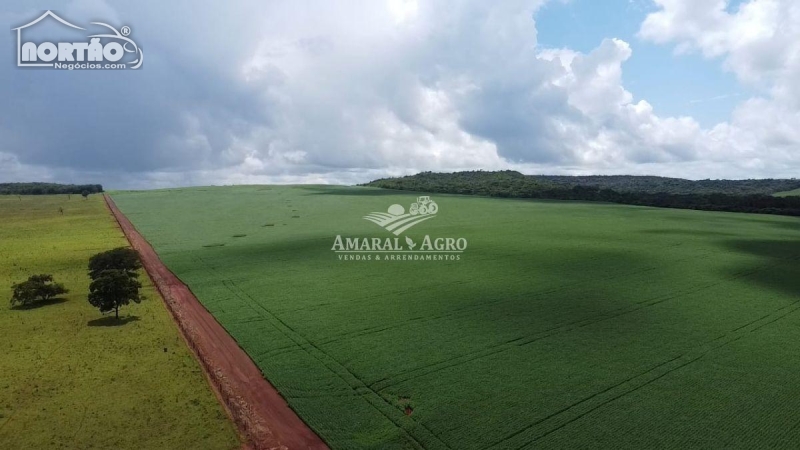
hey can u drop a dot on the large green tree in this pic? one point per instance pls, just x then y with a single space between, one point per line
123 258
113 289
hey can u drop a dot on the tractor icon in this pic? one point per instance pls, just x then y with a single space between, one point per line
424 206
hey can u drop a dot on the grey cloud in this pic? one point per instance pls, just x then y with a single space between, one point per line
132 121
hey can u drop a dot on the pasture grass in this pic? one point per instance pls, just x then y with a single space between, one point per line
793 193
564 324
72 378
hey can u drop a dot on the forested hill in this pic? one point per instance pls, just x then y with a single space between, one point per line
48 188
495 184
753 196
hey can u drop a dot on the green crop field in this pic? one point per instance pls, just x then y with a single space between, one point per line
70 378
563 324
795 192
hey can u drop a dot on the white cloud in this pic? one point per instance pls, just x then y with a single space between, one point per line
760 43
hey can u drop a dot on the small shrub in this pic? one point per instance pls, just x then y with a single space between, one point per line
38 288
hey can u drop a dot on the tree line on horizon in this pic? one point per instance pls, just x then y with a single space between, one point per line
751 196
48 189
662 185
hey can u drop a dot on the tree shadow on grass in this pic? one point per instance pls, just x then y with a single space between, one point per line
41 304
112 321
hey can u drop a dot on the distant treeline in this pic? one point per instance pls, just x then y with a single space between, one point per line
659 185
48 188
752 196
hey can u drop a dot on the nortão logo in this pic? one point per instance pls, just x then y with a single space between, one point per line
114 50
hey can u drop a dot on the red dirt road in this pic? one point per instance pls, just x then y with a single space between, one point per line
261 414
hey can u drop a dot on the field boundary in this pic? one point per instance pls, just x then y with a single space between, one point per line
260 413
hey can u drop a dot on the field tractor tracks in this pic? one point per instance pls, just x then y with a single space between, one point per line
468 310
529 339
539 429
416 433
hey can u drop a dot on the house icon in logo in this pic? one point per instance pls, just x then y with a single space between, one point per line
47 14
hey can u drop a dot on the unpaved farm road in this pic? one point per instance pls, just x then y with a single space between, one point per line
262 416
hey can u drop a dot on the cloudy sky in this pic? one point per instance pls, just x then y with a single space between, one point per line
279 91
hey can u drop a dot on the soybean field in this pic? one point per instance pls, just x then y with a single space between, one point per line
561 325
